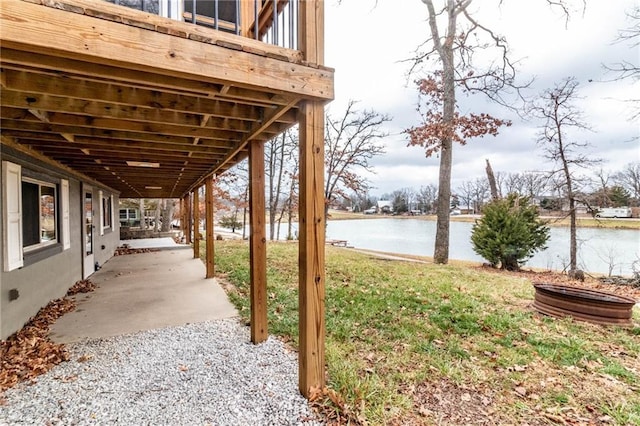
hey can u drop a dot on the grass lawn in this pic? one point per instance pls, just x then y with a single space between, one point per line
410 343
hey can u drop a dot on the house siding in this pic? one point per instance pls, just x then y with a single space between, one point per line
48 276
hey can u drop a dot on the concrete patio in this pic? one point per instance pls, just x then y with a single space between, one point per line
145 291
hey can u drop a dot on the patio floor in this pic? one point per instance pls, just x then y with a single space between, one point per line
142 292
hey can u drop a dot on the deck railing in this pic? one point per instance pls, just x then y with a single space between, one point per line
276 23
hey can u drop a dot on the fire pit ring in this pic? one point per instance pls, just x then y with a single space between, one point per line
583 304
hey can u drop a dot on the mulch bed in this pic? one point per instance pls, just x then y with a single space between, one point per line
29 352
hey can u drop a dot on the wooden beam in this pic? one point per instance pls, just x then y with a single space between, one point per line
187 217
11 143
258 244
123 94
312 222
196 223
208 200
127 131
311 249
247 17
35 28
38 102
255 131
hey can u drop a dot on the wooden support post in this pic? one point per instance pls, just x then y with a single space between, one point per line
196 223
311 357
258 244
187 217
247 17
311 248
208 201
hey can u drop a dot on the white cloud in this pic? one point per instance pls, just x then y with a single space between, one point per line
365 40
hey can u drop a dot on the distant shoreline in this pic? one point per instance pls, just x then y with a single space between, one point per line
583 222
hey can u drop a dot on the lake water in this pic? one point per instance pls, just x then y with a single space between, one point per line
597 248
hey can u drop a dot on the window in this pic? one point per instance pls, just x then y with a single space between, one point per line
106 212
35 215
39 214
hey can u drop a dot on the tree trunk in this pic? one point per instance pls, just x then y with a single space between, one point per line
492 182
156 221
573 246
441 250
143 219
167 215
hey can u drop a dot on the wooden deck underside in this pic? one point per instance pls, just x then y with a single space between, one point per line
95 89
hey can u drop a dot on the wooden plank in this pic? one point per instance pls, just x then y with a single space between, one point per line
176 135
80 71
33 28
196 223
171 26
11 143
208 201
257 129
78 88
258 244
312 222
50 103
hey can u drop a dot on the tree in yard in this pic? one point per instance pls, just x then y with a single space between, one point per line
351 141
465 193
451 50
230 222
560 118
619 196
281 160
427 196
509 232
629 179
441 126
625 69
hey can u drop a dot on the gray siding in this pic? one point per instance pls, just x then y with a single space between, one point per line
49 277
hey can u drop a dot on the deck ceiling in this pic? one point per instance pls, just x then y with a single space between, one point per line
148 110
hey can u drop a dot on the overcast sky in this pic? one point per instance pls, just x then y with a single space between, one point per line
366 44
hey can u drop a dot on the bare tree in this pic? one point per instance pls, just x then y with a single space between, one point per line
480 194
350 142
427 197
560 117
513 184
629 178
278 152
601 196
534 183
465 193
625 69
450 50
630 36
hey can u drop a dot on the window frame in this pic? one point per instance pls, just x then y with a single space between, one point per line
106 217
56 220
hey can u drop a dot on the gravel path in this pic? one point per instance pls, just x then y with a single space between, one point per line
198 374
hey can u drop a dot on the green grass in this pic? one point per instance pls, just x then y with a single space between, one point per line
392 326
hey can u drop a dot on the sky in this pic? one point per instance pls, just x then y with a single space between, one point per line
368 43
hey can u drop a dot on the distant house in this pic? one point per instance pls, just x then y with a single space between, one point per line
385 206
